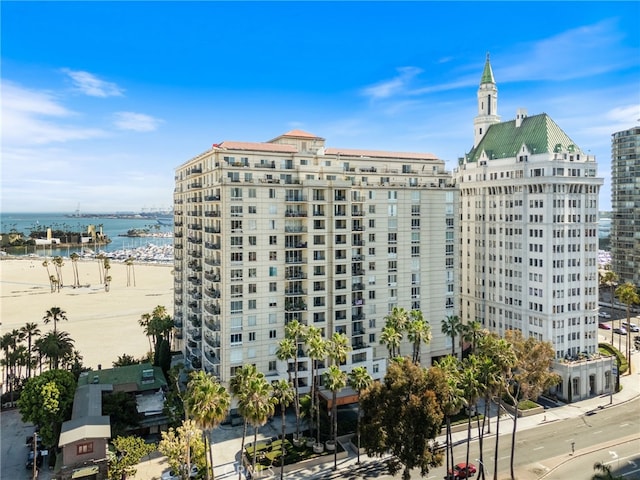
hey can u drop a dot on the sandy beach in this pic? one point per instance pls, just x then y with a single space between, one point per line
103 324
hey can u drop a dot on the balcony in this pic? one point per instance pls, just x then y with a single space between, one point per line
215 213
357 287
211 357
212 292
213 342
358 345
358 302
212 246
212 198
295 198
211 276
212 262
295 291
295 259
294 306
212 308
212 324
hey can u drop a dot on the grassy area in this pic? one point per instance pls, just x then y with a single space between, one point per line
269 453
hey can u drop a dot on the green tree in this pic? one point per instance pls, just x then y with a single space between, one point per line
609 279
46 400
157 325
532 375
58 263
452 326
288 350
452 400
131 272
125 360
57 347
418 332
472 389
207 403
30 330
239 386
122 410
317 351
283 395
471 333
401 417
128 451
74 263
258 404
360 380
335 380
54 314
183 447
603 472
629 296
46 264
391 337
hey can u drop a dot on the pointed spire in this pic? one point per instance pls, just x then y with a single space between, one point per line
487 73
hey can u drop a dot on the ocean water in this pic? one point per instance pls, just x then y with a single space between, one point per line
113 227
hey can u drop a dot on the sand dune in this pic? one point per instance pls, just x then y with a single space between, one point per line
103 324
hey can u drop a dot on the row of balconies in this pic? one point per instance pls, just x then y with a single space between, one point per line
212 308
212 322
212 276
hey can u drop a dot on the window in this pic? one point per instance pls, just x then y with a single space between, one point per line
272 334
252 336
272 365
273 256
252 273
252 240
252 304
273 240
252 256
273 271
236 339
84 448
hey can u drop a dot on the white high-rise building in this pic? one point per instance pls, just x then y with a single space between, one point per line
529 239
270 232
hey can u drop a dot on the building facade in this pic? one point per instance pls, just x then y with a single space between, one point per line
529 238
625 201
270 232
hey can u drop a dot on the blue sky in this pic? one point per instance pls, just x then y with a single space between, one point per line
102 101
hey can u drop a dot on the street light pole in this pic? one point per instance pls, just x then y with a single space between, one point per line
35 455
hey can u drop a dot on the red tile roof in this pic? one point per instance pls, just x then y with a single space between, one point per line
380 154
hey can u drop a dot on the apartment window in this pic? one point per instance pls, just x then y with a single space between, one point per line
272 193
236 290
318 239
272 365
84 448
318 255
252 240
236 323
272 224
252 336
252 209
273 286
372 209
251 320
273 256
252 193
252 304
272 318
272 334
318 317
236 339
273 271
236 306
252 256
236 256
318 286
236 274
319 270
372 223
273 240
252 273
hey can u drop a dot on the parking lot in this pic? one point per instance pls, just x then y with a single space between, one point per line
13 449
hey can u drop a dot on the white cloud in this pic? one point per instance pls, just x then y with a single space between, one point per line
91 85
33 117
396 86
138 122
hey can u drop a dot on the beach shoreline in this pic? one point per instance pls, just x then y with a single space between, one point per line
103 324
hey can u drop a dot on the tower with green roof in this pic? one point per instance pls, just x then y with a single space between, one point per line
487 104
529 239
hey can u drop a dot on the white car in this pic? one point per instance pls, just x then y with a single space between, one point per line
632 327
602 314
171 475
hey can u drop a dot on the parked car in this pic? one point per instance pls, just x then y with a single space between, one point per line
29 463
603 314
461 470
632 327
171 475
604 326
620 331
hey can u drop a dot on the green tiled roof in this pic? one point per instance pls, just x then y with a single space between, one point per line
538 133
130 374
487 73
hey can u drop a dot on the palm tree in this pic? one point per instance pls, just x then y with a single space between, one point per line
418 332
74 262
604 472
55 346
471 332
629 296
452 326
30 330
295 331
452 402
54 314
287 350
610 279
130 271
100 258
239 384
359 379
45 264
58 262
398 318
257 403
337 348
335 380
317 349
472 391
107 277
207 403
283 394
391 337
